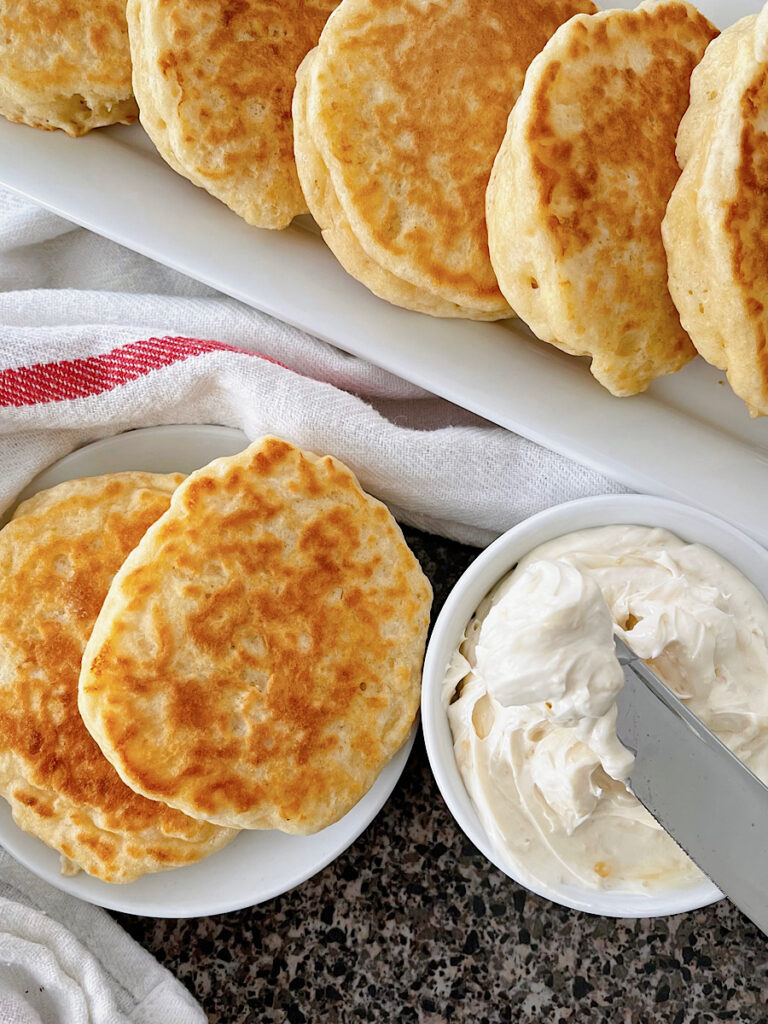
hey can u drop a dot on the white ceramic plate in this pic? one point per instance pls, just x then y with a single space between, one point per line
493 564
687 438
256 865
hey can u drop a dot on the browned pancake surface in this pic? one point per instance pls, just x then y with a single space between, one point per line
408 104
581 184
716 225
258 658
65 64
214 82
746 220
57 559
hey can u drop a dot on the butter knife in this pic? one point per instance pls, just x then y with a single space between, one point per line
711 804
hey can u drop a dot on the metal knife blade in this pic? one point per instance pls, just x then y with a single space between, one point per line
711 804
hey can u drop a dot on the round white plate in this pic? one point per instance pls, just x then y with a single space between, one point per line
256 865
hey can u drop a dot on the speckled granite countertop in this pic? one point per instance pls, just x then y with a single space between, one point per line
413 924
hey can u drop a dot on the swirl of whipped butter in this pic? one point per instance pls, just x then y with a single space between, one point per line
530 697
551 640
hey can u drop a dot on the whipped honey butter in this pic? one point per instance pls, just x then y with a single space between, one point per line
530 697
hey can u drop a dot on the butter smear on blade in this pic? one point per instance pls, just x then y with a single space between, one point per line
531 693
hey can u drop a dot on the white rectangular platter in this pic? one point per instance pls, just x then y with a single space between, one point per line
687 438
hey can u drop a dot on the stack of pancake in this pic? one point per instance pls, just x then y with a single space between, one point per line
581 183
214 83
398 114
462 158
716 226
180 659
65 65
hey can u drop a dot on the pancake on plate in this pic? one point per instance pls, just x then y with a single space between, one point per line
57 558
398 114
581 183
257 661
65 65
214 83
716 227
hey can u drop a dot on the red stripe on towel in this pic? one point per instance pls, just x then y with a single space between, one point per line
81 378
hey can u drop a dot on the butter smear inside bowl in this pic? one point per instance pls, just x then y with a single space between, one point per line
530 697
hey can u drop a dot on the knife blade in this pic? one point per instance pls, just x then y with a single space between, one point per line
711 804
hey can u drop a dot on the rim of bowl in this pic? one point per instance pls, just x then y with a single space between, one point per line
689 523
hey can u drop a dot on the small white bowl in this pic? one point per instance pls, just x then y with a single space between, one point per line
495 562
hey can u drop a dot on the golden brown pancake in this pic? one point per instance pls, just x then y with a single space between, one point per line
581 183
716 226
214 82
399 112
257 661
57 558
65 64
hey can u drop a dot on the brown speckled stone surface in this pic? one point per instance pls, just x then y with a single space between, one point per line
411 923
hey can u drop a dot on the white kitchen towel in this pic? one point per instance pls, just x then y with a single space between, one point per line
77 313
63 961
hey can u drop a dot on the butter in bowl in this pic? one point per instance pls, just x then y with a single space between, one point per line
521 680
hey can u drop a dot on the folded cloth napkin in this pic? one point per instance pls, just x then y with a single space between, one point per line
95 340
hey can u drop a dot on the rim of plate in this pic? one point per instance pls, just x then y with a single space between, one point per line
257 865
488 568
